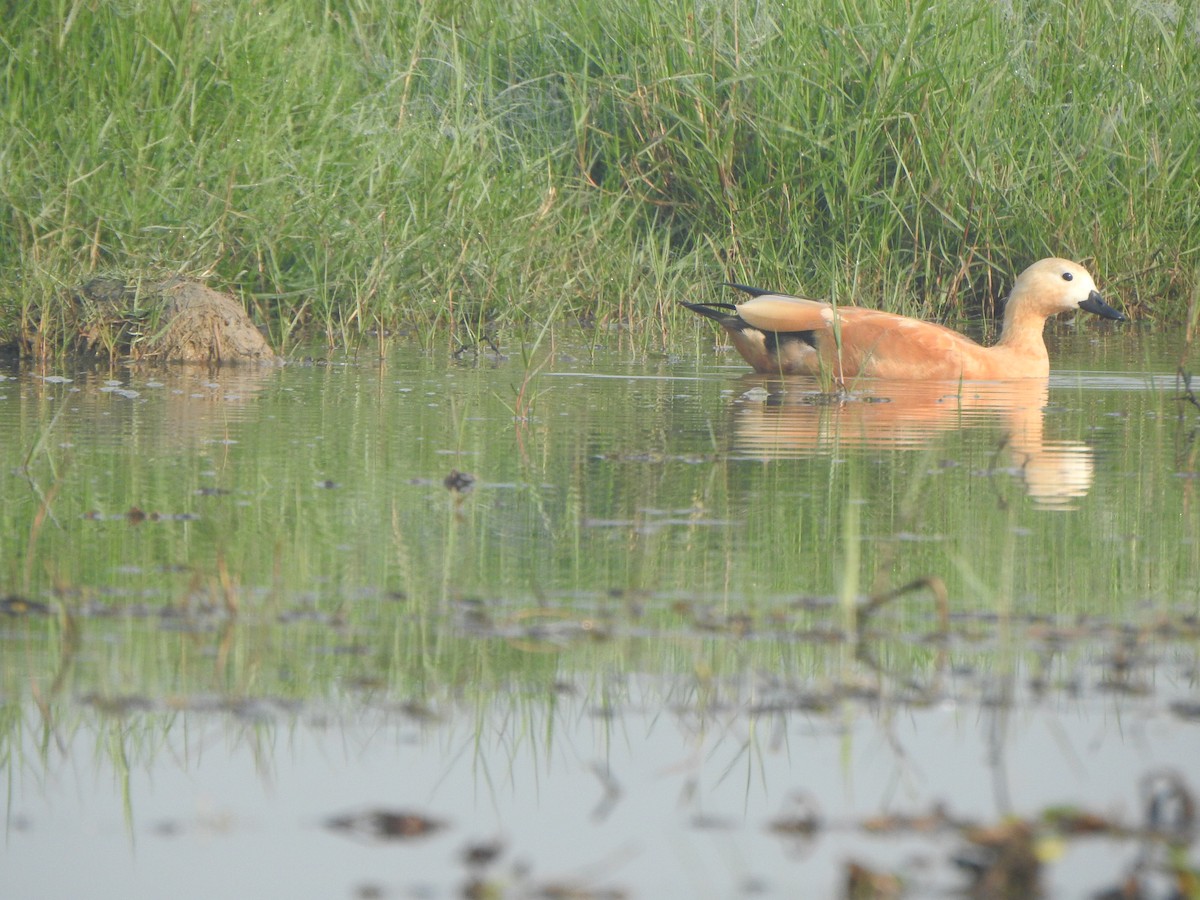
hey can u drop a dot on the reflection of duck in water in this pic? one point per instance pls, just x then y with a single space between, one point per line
782 335
898 415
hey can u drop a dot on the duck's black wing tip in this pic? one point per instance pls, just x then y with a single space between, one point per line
747 289
719 311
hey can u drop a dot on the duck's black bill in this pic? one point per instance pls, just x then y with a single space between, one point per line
1095 304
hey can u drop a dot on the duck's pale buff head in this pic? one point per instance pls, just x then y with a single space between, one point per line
1054 285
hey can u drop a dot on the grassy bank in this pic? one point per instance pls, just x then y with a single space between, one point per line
460 167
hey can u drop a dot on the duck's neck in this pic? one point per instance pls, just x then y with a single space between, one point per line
1023 327
1021 338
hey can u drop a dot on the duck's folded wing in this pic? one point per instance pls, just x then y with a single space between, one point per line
777 312
893 346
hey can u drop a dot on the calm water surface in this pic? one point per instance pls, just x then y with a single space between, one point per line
248 614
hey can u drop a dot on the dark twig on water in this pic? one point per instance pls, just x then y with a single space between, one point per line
932 583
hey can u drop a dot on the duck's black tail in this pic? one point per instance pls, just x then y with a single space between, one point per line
726 313
720 312
747 289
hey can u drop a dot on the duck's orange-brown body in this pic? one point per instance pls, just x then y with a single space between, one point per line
780 334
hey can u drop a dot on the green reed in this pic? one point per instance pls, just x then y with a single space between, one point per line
467 169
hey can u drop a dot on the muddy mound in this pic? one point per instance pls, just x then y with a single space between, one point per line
174 320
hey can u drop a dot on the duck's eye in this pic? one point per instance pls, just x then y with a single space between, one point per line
1067 276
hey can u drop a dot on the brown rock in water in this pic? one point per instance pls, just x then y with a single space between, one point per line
175 320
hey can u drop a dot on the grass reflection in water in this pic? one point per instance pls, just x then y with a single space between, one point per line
599 639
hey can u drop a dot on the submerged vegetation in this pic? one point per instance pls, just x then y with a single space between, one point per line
464 168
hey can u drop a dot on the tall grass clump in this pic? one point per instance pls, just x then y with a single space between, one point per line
466 167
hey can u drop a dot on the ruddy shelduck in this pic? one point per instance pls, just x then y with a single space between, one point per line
784 335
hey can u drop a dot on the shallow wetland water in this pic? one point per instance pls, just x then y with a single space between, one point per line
454 627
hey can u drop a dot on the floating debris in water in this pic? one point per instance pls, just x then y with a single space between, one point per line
934 820
707 822
386 824
419 711
118 705
479 854
167 828
127 393
135 515
1071 822
863 883
14 605
801 818
1186 709
1170 806
1002 860
459 482
568 891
